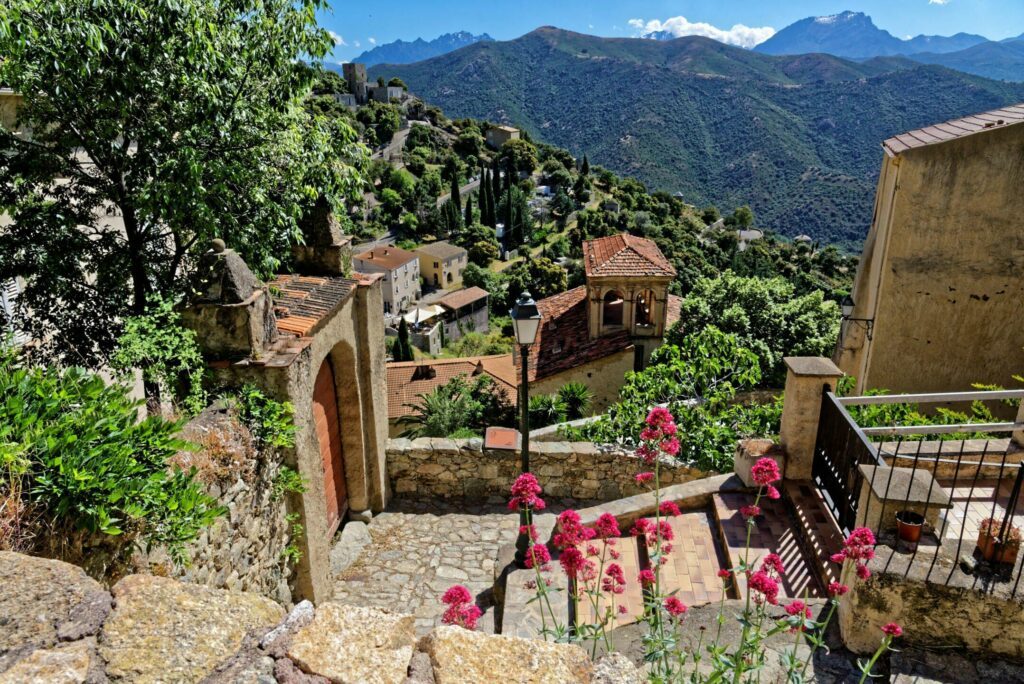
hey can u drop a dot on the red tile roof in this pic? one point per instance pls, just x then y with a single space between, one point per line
461 298
956 128
387 257
302 302
625 255
563 341
673 310
408 379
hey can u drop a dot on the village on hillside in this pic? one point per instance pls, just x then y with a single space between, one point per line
303 379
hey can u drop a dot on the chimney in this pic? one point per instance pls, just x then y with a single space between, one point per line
479 368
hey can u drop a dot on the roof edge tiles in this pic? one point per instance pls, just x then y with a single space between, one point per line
955 129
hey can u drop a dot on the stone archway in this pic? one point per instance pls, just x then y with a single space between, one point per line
327 423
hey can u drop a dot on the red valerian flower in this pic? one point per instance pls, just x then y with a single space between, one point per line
457 594
669 508
798 608
530 531
642 526
650 434
606 526
659 417
764 585
571 530
461 610
538 555
614 580
623 610
525 491
860 545
838 557
773 563
670 446
674 606
765 471
646 577
772 492
643 478
648 453
593 550
574 564
750 511
862 571
724 574
837 589
893 630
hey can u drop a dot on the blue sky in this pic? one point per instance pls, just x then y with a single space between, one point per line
360 25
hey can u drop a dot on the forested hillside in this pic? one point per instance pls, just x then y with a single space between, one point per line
798 137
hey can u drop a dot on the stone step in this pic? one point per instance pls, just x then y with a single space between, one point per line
632 597
775 532
819 532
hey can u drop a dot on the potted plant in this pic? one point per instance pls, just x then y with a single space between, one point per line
909 525
994 549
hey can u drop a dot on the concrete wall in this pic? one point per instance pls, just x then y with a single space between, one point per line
477 321
604 377
941 272
461 468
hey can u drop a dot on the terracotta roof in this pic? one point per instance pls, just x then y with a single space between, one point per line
625 255
955 128
441 250
563 341
461 298
301 302
387 257
408 379
673 310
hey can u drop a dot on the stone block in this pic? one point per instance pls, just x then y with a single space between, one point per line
459 655
749 451
74 663
355 536
887 491
355 644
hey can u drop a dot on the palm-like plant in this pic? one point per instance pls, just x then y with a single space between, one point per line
546 409
577 397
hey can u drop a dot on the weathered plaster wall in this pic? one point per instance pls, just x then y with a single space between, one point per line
604 377
462 468
941 273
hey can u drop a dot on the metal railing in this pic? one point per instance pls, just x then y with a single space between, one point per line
970 478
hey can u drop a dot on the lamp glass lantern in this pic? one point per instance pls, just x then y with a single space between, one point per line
525 319
847 306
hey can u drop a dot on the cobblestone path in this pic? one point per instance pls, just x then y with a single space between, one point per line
421 549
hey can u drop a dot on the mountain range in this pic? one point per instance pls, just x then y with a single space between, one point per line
796 137
855 36
405 52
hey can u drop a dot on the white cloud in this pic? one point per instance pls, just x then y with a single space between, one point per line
357 43
338 40
373 41
590 26
743 36
938 2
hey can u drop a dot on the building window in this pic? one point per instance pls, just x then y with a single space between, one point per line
612 308
645 308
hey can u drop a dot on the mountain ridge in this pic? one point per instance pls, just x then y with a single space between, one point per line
405 52
797 137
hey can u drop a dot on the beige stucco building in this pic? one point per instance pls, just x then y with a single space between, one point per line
939 296
597 332
401 271
442 264
497 136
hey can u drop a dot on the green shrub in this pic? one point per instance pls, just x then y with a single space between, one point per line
546 409
75 449
270 421
577 397
287 481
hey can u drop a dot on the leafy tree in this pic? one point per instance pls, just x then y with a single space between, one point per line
469 143
518 155
328 83
697 380
514 212
541 277
483 252
577 397
710 215
380 81
765 315
391 203
581 190
74 452
403 347
396 82
192 118
456 196
561 206
458 406
742 217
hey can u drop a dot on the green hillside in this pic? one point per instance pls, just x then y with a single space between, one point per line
796 137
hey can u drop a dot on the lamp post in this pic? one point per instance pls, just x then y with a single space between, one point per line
525 322
846 307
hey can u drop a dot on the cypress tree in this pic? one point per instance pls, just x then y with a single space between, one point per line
456 197
585 167
468 221
485 185
403 348
496 184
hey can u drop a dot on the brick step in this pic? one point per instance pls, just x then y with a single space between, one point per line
775 532
819 533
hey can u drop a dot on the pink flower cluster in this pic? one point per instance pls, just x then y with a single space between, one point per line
659 436
656 533
765 472
798 608
606 526
892 630
674 606
538 556
526 493
614 580
461 610
571 530
859 547
765 581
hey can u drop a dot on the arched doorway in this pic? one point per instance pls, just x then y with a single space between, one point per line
328 435
612 308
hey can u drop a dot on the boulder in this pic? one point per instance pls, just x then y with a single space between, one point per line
75 663
163 630
355 645
460 655
615 668
43 602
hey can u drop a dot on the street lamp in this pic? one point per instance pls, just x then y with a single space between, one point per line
846 307
525 323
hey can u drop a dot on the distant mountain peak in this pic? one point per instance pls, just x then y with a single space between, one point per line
848 15
407 52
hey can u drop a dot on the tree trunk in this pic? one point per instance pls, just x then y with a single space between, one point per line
140 292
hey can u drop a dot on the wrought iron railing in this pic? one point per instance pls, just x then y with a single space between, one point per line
980 478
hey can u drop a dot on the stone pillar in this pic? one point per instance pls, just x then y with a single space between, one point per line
372 372
1018 435
325 251
806 377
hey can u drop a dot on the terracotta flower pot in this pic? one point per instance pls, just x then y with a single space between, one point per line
994 552
909 525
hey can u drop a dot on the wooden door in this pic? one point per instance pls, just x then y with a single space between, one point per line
328 434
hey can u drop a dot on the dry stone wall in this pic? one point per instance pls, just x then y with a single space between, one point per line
462 468
243 550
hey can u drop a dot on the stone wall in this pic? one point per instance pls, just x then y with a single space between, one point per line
462 468
604 377
60 625
244 549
